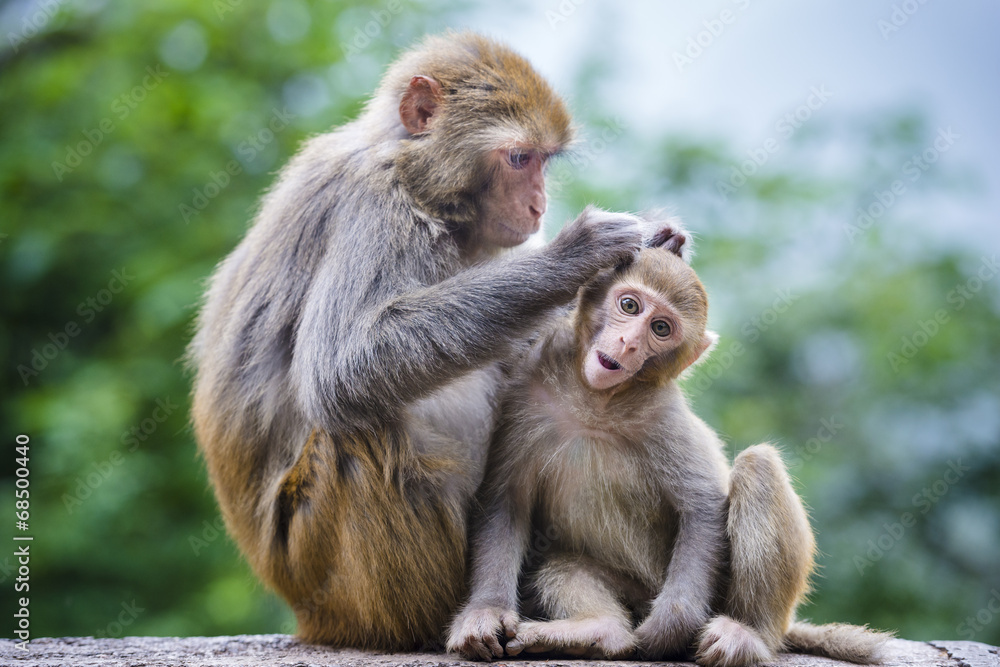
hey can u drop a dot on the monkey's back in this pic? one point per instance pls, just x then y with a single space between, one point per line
361 532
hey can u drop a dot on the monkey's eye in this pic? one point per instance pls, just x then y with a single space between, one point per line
519 159
661 328
628 305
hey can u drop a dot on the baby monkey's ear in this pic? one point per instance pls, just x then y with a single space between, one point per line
705 345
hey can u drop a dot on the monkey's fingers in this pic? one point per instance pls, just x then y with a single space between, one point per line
484 642
667 233
670 240
476 635
464 647
509 621
492 642
475 649
515 647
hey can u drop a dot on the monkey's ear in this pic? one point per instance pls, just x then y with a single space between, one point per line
419 103
700 353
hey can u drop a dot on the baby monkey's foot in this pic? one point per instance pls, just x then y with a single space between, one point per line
727 643
602 637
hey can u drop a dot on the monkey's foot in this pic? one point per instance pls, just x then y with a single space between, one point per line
602 637
728 643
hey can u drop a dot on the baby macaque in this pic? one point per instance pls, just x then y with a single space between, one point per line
657 547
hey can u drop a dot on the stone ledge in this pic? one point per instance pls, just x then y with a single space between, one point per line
287 651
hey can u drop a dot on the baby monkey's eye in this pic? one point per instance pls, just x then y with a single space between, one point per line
628 305
661 328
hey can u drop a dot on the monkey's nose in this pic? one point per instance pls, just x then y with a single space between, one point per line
537 206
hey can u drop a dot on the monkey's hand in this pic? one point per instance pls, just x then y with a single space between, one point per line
670 630
596 240
476 632
667 233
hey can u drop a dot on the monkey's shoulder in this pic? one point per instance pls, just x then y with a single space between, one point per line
549 349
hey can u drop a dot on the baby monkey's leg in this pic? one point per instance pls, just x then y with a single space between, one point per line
588 619
771 558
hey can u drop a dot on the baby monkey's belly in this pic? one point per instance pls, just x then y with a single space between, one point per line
595 504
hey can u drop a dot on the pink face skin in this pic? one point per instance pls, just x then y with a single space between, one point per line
513 206
639 324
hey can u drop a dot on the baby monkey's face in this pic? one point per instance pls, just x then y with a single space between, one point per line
639 323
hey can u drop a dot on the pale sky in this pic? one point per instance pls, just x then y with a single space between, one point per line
944 58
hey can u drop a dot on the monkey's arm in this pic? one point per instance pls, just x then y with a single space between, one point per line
683 605
413 341
500 536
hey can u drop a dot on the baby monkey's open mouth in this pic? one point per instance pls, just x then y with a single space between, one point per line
608 362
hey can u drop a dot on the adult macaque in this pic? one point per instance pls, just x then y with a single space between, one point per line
597 446
347 350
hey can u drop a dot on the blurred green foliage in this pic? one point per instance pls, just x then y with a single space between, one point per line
135 140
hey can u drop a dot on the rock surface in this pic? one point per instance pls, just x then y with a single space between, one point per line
286 651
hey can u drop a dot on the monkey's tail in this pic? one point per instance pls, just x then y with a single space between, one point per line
852 643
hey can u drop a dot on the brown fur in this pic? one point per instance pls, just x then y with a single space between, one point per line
381 499
348 350
486 81
838 641
659 547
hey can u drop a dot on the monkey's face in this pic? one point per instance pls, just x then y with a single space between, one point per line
638 324
514 201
